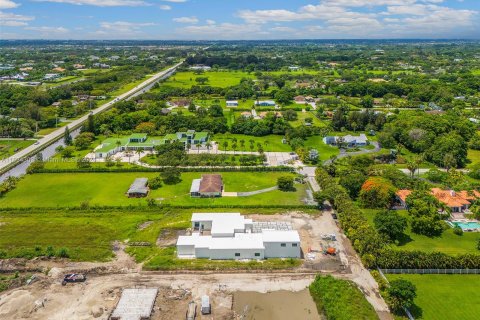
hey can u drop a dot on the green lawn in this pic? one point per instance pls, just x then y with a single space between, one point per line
308 114
71 189
445 297
473 156
325 151
274 142
448 242
9 147
220 79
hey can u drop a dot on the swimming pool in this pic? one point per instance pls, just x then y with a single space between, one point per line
467 225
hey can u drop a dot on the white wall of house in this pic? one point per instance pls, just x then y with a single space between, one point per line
230 254
276 250
185 250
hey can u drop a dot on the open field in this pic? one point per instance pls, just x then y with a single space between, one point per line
88 235
108 189
9 147
473 156
220 79
448 242
444 297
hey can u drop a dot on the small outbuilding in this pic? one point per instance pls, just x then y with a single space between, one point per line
139 188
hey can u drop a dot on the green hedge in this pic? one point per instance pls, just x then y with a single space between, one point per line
194 169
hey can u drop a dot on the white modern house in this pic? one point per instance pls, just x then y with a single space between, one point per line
229 236
348 140
232 103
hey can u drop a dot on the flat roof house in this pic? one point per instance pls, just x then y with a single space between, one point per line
265 103
232 103
138 188
209 186
230 236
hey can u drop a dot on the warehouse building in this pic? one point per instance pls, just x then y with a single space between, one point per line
229 236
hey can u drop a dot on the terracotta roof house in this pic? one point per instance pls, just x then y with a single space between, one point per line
458 202
299 99
209 186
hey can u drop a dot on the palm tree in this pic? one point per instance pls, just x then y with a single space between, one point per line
118 143
252 146
266 143
189 146
412 166
208 145
225 145
242 144
139 152
198 144
234 147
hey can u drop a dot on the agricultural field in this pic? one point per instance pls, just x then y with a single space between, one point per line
444 297
9 147
448 242
220 79
108 189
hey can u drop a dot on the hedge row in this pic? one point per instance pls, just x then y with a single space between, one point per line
182 169
396 259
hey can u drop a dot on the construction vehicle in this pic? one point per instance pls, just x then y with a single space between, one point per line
73 277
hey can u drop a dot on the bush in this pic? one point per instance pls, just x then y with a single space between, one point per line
458 231
391 224
155 183
63 253
285 183
401 294
171 176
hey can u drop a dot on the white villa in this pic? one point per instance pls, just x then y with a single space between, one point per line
348 140
230 236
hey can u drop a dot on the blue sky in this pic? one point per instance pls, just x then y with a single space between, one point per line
232 19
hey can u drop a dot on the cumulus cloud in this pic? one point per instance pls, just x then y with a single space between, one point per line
122 27
8 19
8 4
186 20
102 3
165 7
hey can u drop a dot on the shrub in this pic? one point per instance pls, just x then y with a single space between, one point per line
458 231
155 183
401 294
63 253
285 183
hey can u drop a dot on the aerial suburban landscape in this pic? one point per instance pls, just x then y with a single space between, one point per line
204 160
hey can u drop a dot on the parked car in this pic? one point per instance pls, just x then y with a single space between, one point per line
74 277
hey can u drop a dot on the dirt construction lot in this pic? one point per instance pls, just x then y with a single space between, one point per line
46 298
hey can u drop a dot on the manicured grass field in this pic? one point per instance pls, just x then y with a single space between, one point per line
274 142
473 156
9 147
448 242
220 79
325 151
445 297
71 189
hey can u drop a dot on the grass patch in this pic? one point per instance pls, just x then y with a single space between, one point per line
220 79
444 297
9 147
274 142
340 299
448 242
473 156
108 189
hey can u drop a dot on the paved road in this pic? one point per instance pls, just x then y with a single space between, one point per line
57 134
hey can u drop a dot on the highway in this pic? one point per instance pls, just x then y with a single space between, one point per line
23 155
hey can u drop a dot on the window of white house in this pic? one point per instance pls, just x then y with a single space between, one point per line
294 244
237 254
283 244
257 254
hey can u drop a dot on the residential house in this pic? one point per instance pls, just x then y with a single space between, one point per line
209 186
299 99
232 103
347 141
138 188
458 202
265 103
231 236
200 67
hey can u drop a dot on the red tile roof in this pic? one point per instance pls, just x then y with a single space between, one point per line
211 183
